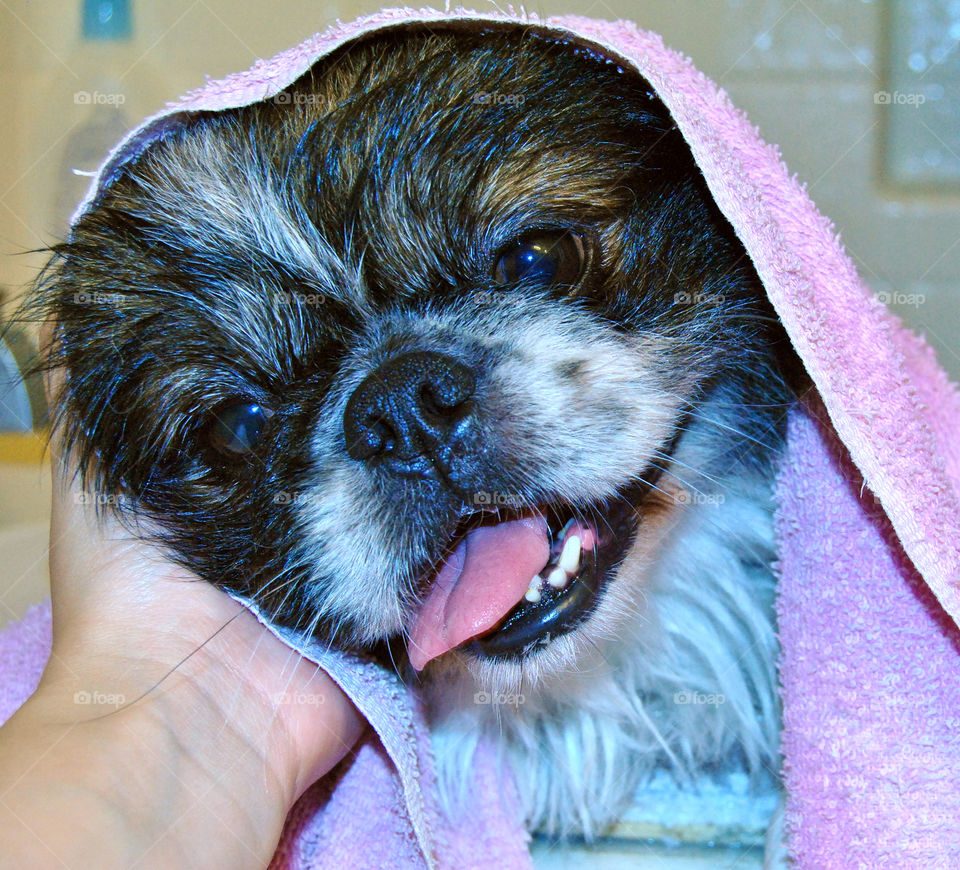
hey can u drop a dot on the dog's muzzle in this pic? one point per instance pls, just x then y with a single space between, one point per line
510 577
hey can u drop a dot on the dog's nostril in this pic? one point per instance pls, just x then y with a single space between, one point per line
376 435
408 407
442 400
429 402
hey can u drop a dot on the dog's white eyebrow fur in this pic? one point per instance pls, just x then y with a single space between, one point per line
248 206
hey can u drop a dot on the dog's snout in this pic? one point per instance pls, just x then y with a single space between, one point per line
411 406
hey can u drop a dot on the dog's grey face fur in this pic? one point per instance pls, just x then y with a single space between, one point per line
258 270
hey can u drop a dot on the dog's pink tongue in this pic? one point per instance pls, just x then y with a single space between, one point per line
478 585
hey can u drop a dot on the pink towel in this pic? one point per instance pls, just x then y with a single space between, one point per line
868 524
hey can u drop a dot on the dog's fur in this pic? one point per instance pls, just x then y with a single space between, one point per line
281 252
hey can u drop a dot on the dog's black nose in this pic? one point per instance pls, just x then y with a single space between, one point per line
411 408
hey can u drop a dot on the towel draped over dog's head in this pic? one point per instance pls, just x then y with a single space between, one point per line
868 515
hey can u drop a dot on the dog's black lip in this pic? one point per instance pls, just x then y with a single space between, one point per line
529 626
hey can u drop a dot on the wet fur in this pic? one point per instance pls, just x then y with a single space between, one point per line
280 252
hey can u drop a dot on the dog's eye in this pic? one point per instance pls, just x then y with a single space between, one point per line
236 427
543 258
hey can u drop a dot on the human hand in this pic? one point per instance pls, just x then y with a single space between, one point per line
161 734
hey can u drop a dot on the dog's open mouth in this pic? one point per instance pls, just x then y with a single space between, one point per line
515 580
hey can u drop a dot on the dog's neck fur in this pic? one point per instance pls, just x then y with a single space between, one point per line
689 685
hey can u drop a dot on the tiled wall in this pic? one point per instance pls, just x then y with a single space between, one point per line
806 71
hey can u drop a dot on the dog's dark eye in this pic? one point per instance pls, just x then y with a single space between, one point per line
543 258
236 427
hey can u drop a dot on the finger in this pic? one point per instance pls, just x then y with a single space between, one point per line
335 734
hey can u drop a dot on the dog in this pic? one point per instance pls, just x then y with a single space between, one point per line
446 354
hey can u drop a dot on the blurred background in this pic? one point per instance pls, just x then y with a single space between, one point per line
862 96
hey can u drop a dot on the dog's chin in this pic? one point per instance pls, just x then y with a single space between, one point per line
573 627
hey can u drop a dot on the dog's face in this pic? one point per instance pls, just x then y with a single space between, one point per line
418 349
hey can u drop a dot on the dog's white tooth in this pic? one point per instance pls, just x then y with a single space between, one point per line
533 588
570 557
558 578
